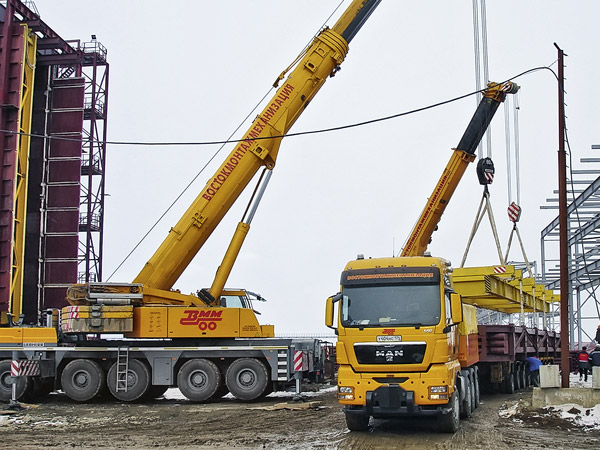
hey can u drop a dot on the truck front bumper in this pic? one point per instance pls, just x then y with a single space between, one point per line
392 400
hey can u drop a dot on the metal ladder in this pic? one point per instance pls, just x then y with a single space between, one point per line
122 368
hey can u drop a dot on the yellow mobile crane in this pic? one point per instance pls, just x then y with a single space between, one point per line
209 343
174 314
399 351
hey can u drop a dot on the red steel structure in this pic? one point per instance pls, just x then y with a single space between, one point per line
62 189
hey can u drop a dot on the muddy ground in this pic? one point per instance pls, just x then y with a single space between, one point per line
277 422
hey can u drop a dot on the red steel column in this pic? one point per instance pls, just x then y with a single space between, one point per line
563 231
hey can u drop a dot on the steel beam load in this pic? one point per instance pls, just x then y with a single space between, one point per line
502 288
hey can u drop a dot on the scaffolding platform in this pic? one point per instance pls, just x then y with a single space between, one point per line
502 288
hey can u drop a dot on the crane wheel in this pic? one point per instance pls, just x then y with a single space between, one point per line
222 391
155 391
82 379
135 384
247 379
199 379
6 381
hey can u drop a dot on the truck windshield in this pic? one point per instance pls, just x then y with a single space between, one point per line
391 305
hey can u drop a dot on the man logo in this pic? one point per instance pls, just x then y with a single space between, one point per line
389 355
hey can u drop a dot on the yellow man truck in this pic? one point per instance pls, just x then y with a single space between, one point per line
408 343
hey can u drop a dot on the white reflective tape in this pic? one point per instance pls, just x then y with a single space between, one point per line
297 360
15 368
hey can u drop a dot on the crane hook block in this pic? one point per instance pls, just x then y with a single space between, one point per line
514 212
485 171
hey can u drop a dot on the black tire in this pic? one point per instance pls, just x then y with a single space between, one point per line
450 422
199 379
518 384
138 381
6 380
247 379
82 379
466 408
509 384
357 422
156 391
472 384
524 377
222 391
477 389
39 390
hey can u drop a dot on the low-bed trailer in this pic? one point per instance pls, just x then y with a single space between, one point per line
503 352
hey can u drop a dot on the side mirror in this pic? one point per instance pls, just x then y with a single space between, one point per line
329 305
456 307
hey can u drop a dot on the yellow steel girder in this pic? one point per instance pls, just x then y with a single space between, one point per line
22 167
501 288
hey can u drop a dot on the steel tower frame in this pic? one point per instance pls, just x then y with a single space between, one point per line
583 219
95 70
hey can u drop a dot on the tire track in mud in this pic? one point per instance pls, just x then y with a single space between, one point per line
182 425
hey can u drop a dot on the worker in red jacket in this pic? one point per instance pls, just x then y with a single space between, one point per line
583 361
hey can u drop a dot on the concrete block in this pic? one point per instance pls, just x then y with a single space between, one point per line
595 377
588 398
549 376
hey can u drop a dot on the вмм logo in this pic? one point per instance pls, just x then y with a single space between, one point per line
205 319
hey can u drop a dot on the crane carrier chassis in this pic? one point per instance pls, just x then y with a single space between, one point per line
134 370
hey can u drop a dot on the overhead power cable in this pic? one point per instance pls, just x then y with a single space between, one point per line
299 133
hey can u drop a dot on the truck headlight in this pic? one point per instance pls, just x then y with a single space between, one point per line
345 393
438 389
438 392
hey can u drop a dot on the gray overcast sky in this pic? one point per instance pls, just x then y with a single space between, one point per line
192 70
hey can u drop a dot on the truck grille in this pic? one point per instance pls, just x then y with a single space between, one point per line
400 353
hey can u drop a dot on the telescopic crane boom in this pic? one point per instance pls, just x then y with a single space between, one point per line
464 154
258 148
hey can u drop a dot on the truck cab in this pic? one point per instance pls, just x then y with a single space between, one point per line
398 340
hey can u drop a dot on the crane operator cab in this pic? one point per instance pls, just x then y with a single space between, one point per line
239 298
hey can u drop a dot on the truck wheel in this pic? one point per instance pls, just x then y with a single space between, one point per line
247 379
509 384
199 379
472 386
6 381
449 423
357 422
137 381
476 385
82 379
517 376
466 409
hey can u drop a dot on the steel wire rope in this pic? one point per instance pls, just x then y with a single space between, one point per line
193 180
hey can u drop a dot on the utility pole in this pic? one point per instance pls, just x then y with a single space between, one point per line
563 231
